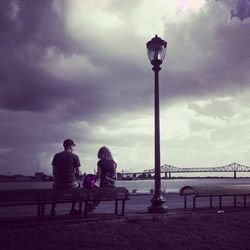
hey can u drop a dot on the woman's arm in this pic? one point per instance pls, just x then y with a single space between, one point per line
98 174
115 166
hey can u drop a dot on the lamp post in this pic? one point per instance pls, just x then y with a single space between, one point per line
156 49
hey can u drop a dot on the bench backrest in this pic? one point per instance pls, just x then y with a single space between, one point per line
19 195
107 192
63 194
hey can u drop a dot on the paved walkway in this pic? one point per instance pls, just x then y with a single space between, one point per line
136 205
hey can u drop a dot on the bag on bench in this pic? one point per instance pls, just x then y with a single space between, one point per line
89 181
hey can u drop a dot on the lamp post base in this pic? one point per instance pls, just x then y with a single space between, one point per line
158 205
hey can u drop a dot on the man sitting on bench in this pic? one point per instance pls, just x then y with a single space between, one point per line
66 171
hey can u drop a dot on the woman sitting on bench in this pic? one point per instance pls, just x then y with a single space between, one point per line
106 170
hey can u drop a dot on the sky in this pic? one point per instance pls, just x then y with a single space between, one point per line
79 69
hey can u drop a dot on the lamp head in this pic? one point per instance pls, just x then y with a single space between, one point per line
156 49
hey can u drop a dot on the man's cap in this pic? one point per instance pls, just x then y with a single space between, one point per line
68 143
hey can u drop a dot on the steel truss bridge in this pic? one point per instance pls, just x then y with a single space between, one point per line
168 169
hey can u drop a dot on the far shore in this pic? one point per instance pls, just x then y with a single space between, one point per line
172 178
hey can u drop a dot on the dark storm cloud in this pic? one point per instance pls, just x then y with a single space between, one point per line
28 30
241 10
207 54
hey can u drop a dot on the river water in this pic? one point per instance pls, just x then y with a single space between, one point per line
139 186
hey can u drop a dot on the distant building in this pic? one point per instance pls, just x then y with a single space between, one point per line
119 176
39 176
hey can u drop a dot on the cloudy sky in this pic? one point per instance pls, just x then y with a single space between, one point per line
79 69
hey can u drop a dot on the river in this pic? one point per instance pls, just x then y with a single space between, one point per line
140 186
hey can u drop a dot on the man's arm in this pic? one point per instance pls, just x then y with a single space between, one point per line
54 165
77 171
54 170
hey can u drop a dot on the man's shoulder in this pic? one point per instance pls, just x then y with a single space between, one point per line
56 158
58 154
63 154
66 155
73 155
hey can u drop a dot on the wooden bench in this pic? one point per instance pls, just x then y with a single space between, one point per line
43 197
20 197
218 192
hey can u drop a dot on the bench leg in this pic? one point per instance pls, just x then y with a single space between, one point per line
116 207
211 202
38 209
73 205
194 203
42 210
234 200
123 207
220 202
80 209
85 209
52 211
245 201
185 202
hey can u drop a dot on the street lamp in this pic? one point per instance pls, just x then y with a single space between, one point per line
156 49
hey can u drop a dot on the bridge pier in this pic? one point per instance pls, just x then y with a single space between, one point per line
235 176
168 175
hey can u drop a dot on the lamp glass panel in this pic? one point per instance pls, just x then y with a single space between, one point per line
156 51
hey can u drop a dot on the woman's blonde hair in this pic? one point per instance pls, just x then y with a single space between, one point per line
104 153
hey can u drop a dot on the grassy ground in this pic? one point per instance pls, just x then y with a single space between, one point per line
173 231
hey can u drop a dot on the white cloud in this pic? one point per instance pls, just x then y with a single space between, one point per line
70 67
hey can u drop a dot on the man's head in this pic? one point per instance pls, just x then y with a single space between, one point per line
68 144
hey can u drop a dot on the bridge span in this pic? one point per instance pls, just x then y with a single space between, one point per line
168 169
